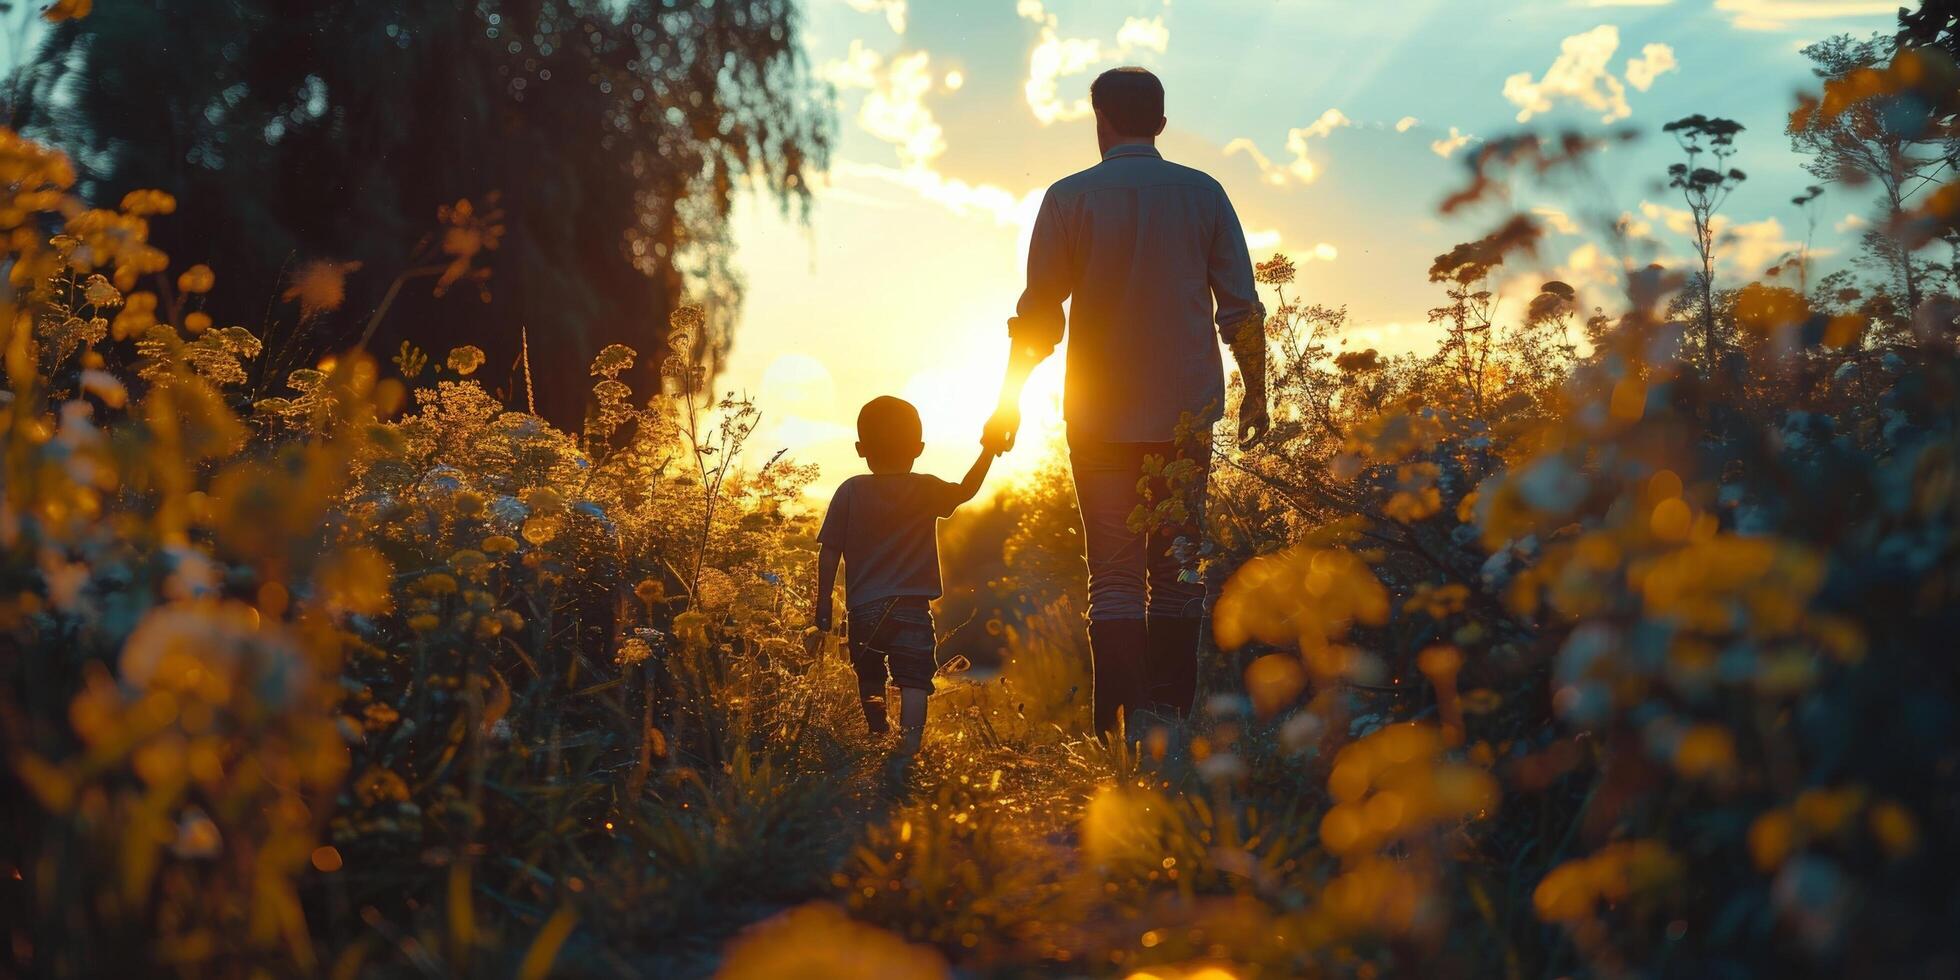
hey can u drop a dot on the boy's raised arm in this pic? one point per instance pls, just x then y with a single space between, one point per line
989 448
827 558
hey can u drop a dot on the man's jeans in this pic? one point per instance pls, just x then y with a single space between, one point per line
1132 573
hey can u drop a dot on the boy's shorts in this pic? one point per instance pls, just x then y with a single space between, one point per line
895 632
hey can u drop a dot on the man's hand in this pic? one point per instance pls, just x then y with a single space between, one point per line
1254 423
822 617
998 436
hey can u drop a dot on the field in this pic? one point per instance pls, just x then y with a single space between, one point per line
1592 642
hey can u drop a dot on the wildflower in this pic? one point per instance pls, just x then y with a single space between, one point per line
1276 271
196 322
1273 681
424 622
1771 837
632 652
466 359
99 291
545 501
435 584
613 360
499 544
1894 828
196 279
543 529
819 940
1705 752
649 591
148 202
320 286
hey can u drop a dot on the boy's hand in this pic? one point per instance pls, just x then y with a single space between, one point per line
998 437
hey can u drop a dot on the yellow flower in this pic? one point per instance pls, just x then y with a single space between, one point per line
544 500
818 941
632 651
197 279
466 359
148 202
196 322
1894 828
499 544
435 583
1704 752
1771 838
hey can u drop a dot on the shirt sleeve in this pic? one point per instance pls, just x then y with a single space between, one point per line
1230 274
945 497
1038 322
836 518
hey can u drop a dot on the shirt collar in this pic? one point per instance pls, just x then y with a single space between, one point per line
1132 150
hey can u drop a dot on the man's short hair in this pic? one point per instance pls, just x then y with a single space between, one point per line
889 426
1131 98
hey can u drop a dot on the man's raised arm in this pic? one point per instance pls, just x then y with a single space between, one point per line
1241 318
1038 322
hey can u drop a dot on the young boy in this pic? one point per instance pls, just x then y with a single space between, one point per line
883 525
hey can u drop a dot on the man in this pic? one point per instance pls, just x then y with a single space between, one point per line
1152 257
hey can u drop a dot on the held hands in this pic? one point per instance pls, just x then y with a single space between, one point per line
1254 423
998 436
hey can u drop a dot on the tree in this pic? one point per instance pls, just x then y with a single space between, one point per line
1871 140
615 132
1704 190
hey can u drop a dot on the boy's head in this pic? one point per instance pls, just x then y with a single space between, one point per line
889 433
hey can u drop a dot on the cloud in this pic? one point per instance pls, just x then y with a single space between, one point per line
1300 168
1655 60
1405 124
1055 57
1776 15
894 11
1621 3
894 111
1580 74
1448 145
893 108
1558 220
1851 222
1742 249
1003 206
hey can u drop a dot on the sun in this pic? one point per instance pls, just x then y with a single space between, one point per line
955 402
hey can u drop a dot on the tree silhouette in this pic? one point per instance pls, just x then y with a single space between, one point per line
1704 189
1873 140
614 131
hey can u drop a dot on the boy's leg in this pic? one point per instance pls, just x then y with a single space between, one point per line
911 718
869 664
910 650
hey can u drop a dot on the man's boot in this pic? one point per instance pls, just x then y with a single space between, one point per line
1171 663
1116 652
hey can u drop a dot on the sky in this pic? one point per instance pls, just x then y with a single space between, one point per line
1335 126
